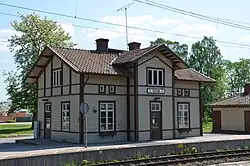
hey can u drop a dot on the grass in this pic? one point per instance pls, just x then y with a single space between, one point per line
207 127
15 130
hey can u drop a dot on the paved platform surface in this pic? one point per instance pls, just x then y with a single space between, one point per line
11 150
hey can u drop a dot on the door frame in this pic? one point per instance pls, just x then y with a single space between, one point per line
150 119
45 121
245 127
215 129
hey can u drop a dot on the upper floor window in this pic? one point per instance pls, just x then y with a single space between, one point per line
155 77
57 77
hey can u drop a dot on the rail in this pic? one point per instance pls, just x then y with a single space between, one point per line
176 159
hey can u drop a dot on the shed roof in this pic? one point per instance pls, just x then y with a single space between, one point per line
240 100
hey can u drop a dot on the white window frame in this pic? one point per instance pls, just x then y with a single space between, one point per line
101 88
155 106
186 92
111 89
47 107
106 109
65 116
183 108
152 78
56 77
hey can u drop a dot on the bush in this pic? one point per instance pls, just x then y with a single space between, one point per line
11 121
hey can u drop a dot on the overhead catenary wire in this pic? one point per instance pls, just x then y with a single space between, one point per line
196 15
114 24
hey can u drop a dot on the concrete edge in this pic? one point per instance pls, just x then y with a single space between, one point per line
26 141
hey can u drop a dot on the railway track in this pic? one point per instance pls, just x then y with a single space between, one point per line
177 159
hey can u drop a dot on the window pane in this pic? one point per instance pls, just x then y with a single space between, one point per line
110 126
110 106
101 88
150 77
185 106
54 78
180 106
155 77
103 106
157 107
67 106
185 113
103 120
160 77
110 114
152 106
103 126
111 88
110 120
103 114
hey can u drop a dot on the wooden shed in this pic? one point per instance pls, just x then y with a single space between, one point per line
232 115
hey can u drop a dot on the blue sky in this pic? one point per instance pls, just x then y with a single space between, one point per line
139 15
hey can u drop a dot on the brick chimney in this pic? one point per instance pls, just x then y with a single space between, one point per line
134 46
246 89
102 44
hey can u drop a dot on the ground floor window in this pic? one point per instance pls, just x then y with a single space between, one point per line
65 108
107 116
183 114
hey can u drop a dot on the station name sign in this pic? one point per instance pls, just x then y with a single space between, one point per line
156 90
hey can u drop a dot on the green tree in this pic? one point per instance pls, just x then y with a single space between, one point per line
32 35
206 58
179 49
238 74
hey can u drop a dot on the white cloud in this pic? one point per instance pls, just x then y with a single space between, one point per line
244 39
68 28
183 26
197 30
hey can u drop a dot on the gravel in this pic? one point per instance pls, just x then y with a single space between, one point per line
219 161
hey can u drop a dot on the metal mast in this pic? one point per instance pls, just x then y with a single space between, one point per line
124 8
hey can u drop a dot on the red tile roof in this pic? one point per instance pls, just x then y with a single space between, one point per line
191 74
130 56
87 61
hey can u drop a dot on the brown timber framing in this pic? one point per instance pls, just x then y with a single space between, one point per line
128 109
80 114
36 107
44 81
201 110
70 80
51 77
173 99
136 101
61 77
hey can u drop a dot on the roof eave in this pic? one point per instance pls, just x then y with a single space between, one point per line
230 106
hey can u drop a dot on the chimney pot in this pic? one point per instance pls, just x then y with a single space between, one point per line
102 44
134 46
247 89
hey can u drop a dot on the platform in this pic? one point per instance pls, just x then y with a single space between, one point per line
57 153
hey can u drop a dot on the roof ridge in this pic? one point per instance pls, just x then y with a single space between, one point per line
86 50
